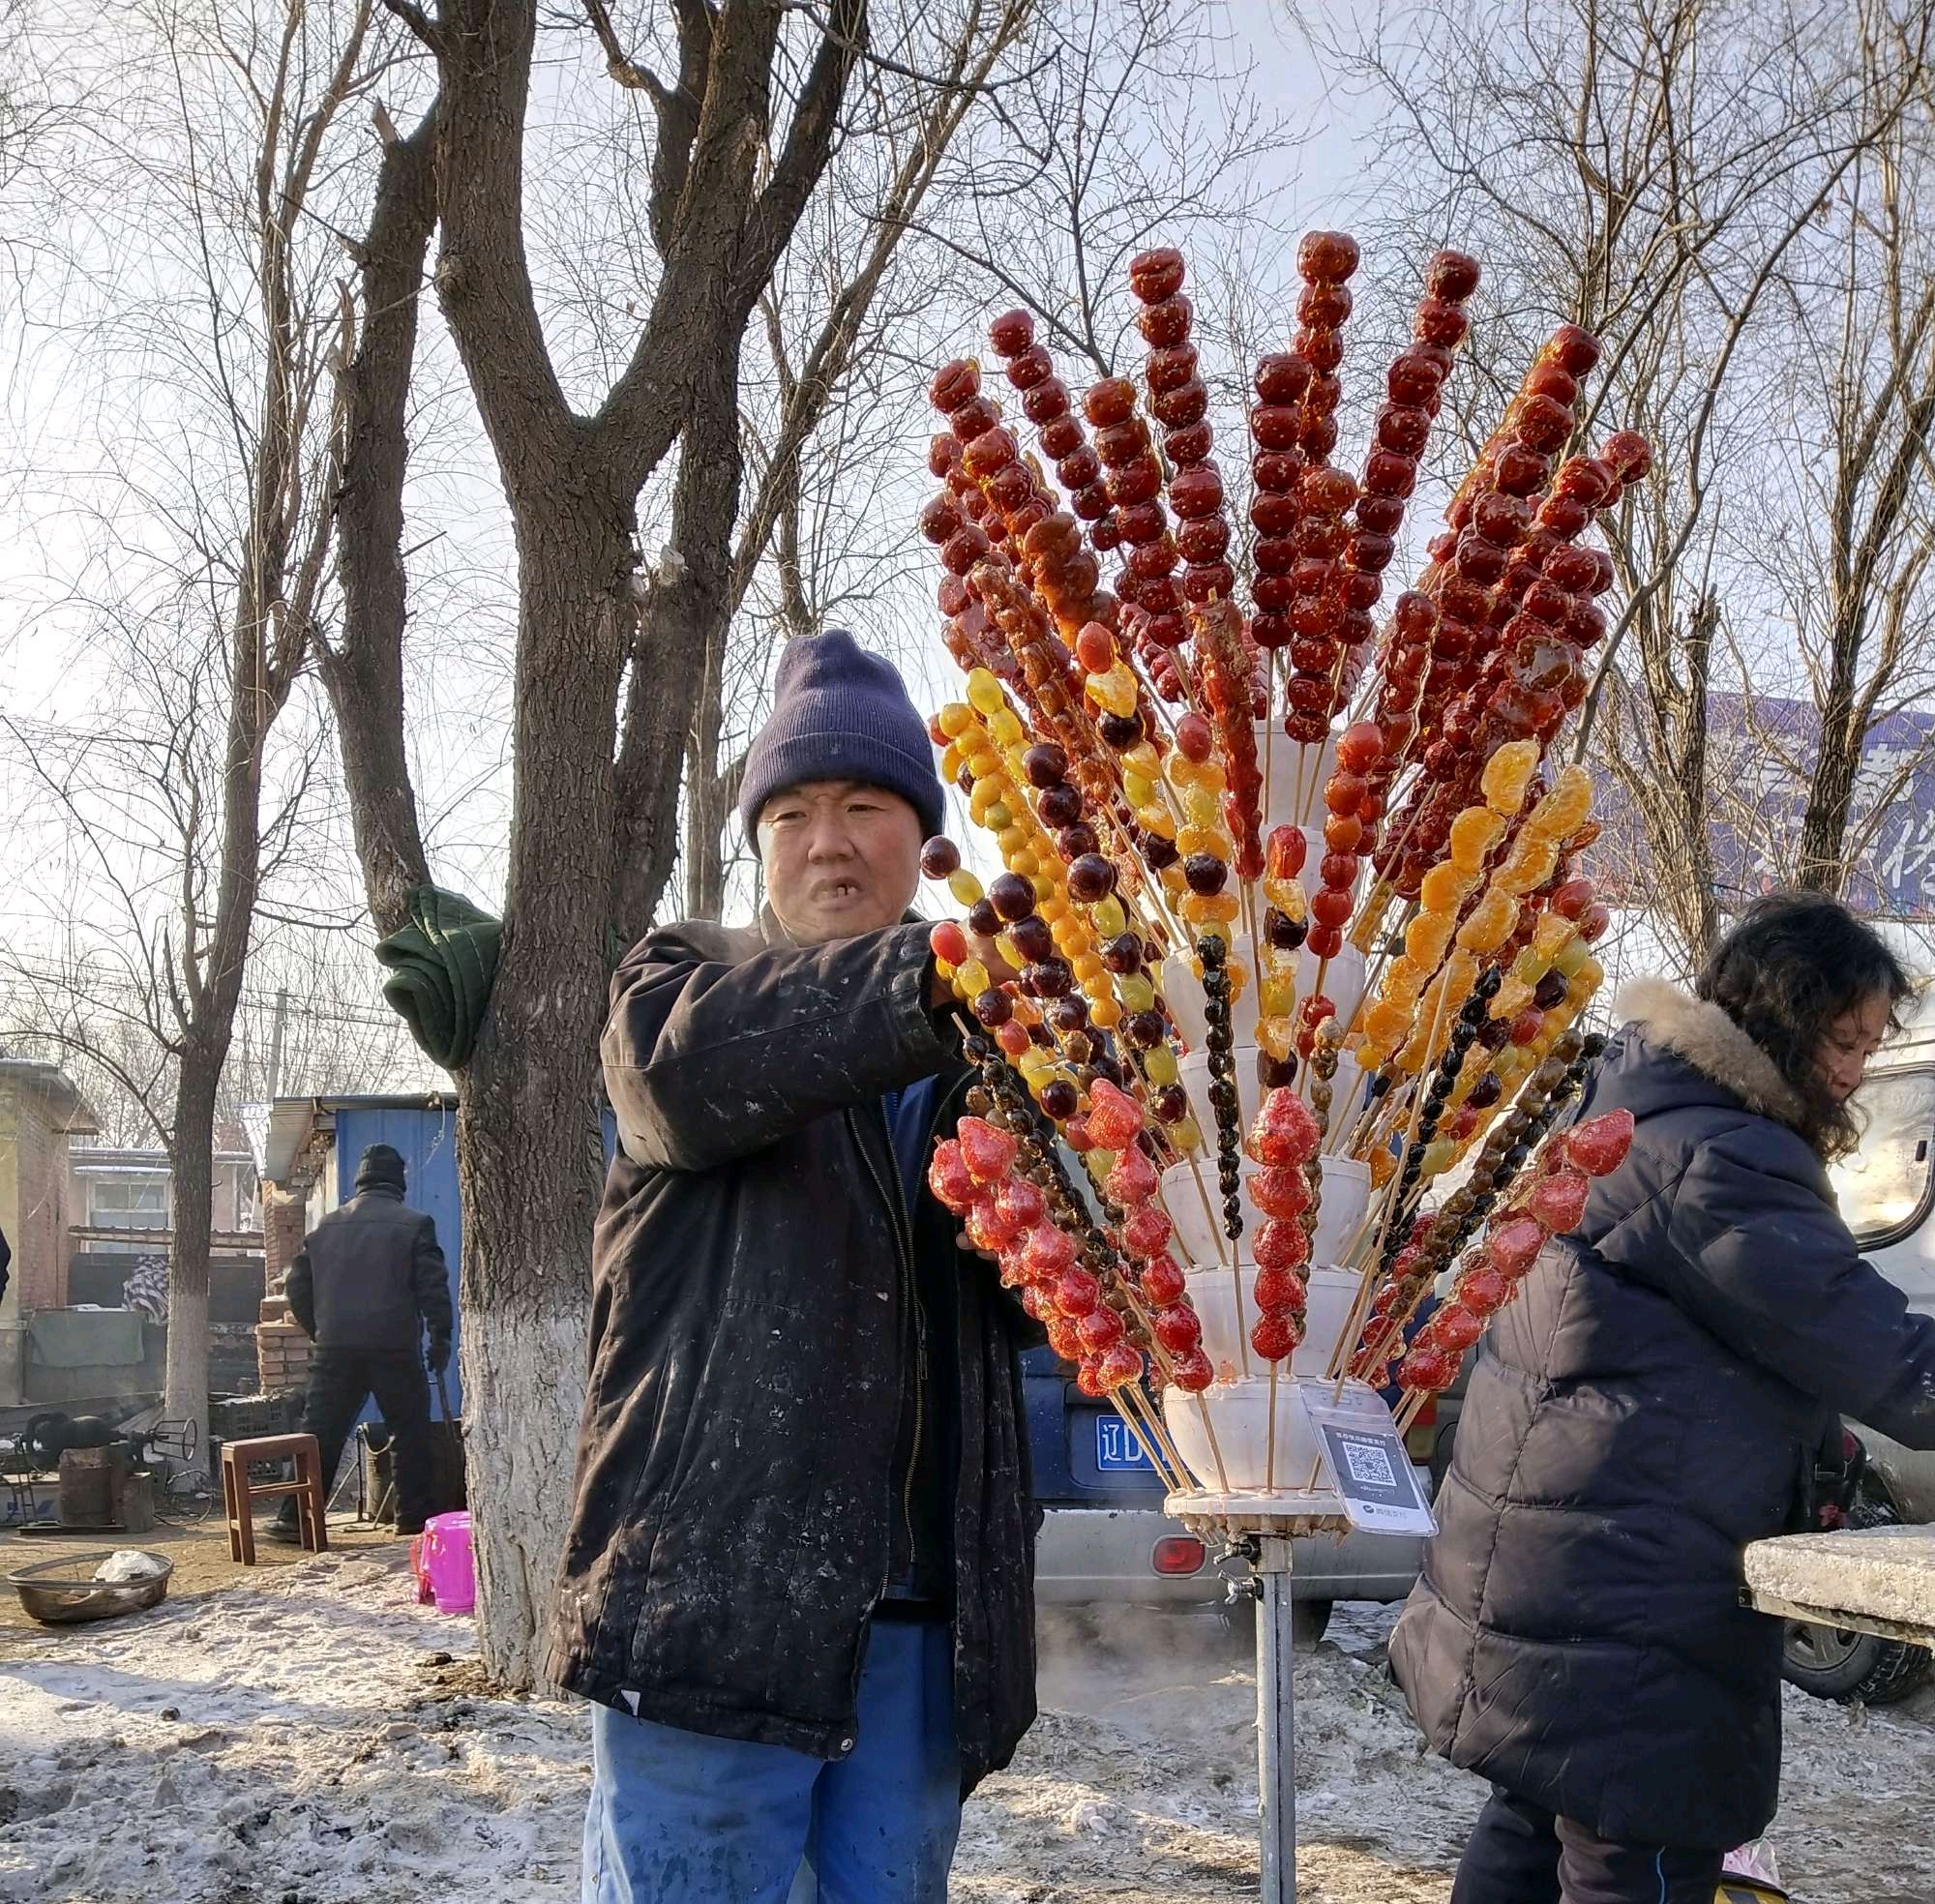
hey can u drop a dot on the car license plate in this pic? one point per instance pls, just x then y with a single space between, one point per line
1116 1449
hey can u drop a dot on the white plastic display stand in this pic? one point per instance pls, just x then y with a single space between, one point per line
1345 1434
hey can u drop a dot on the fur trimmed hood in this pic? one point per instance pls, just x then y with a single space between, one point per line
1712 1044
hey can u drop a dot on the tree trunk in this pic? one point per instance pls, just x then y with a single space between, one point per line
708 801
1830 798
681 633
365 677
191 1170
528 1156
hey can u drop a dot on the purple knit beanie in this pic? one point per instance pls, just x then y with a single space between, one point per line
839 713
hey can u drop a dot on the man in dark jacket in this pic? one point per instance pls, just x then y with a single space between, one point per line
1651 1403
799 1575
366 1282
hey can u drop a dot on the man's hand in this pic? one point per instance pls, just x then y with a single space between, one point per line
438 1355
990 955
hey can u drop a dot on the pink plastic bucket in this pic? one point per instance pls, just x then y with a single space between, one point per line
447 1561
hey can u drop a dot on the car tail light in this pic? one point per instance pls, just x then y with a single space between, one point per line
1177 1553
1421 1437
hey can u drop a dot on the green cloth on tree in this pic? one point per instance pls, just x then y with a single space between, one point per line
442 965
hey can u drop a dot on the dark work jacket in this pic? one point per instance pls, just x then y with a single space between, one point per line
755 1349
371 1276
1649 1404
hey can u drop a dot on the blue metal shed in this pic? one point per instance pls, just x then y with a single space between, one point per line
308 1147
310 1150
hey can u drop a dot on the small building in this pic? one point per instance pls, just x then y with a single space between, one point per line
123 1214
41 1111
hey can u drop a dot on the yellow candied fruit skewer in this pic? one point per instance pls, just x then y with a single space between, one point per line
1474 834
1489 923
1552 930
1427 938
1564 809
1445 887
1507 774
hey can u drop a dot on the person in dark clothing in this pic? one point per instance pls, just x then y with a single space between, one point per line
1651 1403
366 1282
5 1257
798 1580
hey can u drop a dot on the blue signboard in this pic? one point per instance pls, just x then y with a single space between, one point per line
1760 754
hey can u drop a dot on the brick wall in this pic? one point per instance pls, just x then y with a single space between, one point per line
284 1224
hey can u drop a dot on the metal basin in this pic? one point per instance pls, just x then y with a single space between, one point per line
57 1599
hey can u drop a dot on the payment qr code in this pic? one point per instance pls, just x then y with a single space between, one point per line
1369 1465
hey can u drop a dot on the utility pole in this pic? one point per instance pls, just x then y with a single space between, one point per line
276 1043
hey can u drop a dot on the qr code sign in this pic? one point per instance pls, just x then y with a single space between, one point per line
1370 1466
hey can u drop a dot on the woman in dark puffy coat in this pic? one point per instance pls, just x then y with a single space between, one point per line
1651 1403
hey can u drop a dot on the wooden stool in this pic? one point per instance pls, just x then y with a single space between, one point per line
238 1495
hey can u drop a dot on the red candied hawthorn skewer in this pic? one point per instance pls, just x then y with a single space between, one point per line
1487 522
1226 678
1058 429
1326 260
1133 477
1490 515
1414 387
1276 471
1180 404
1536 674
1489 1276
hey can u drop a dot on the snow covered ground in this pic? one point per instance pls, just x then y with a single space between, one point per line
313 1738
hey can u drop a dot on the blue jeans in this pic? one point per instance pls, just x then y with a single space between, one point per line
681 1818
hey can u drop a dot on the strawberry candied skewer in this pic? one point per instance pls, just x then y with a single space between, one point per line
977 1175
1115 1123
1284 1140
1489 1277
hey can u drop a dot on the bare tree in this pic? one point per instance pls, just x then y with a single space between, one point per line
210 181
742 132
1124 124
1661 172
836 318
1853 570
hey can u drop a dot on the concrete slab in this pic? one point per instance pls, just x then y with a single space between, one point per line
1877 1573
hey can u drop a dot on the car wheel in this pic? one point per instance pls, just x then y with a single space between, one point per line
1836 1662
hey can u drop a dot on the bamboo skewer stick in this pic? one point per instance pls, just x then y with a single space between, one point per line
1140 1401
1168 1367
1139 1431
1269 1444
1390 1205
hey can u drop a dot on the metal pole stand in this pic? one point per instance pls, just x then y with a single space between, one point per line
1276 1721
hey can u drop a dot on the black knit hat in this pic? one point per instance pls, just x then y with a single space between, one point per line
381 1169
839 713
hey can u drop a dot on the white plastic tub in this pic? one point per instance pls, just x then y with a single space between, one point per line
1226 1331
1199 1239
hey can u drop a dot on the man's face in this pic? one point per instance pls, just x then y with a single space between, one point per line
841 858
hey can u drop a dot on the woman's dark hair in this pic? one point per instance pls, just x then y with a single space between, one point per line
1796 963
